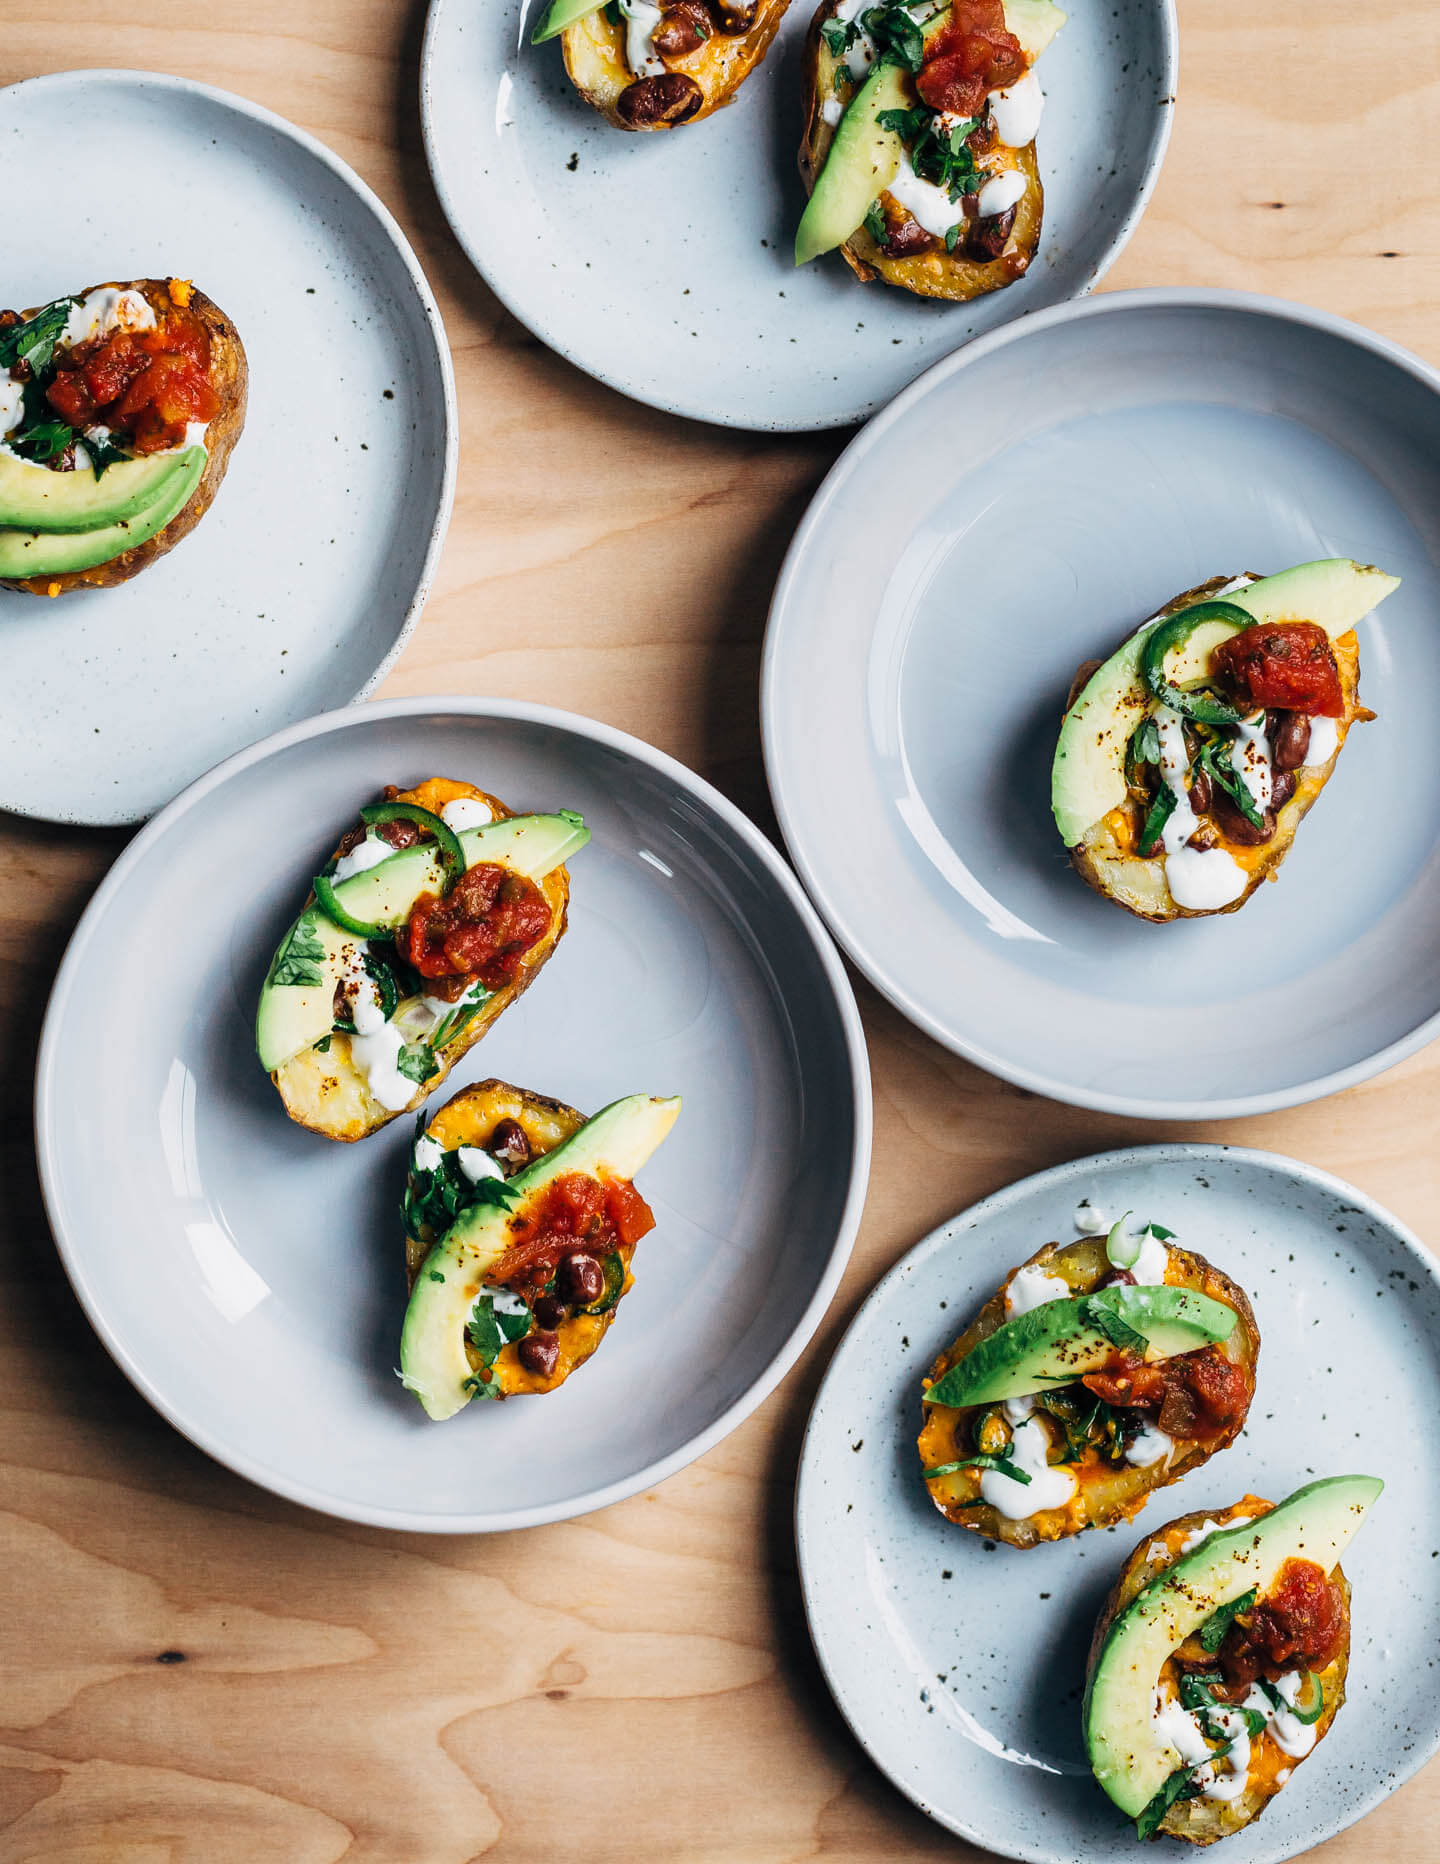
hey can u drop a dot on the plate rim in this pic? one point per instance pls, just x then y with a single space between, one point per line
1052 1179
1214 299
114 76
594 731
1154 161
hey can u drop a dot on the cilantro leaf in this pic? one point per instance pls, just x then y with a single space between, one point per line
839 36
1156 816
44 440
1217 758
1179 1786
300 960
898 39
34 341
102 453
489 1328
875 223
416 1061
1004 1463
1103 1318
1212 1632
434 1200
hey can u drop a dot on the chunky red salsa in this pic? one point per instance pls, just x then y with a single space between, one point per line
482 927
1300 1624
1286 664
573 1215
1198 1395
970 57
146 386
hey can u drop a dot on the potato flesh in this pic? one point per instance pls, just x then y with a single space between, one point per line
1202 1821
470 1119
1106 1494
325 1093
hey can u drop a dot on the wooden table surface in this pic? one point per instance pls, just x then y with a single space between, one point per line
197 1673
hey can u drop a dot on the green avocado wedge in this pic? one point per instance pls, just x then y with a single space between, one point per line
297 1000
1315 1523
616 1143
32 498
1062 1340
1088 775
26 553
560 14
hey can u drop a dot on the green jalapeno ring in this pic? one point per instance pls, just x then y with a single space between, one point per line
1173 632
452 855
328 901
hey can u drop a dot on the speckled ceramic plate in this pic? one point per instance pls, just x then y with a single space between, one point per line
959 1664
249 1276
302 584
934 606
663 263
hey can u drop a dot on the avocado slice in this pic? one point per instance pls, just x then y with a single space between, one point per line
1088 775
1315 1523
32 498
295 1015
1062 1341
560 14
863 159
28 553
617 1142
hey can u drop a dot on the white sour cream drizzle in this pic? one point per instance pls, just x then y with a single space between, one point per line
103 311
428 1153
1091 1221
1324 741
477 1164
1150 1266
375 1046
1253 759
1201 879
1221 1774
1018 1409
1016 112
1032 1287
861 55
504 1301
12 403
1207 1528
924 201
466 812
832 110
363 856
1000 193
1150 1446
1049 1486
641 20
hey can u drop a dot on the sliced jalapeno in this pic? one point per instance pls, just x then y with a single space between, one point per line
614 1270
328 901
1173 632
452 855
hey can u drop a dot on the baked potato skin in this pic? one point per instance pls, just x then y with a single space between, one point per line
594 50
469 1120
1105 858
1203 1821
231 375
326 1095
1108 1495
933 274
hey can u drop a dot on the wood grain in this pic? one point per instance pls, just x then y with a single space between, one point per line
192 1672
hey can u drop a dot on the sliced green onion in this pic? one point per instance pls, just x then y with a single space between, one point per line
1174 631
452 855
328 902
1306 1717
1121 1248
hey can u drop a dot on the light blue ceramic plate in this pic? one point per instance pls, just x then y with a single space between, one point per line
959 1664
1020 510
299 588
249 1276
663 264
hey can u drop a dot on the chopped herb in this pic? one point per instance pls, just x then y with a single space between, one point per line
323 1045
102 454
1158 1229
34 341
1095 1313
46 440
840 80
939 155
450 1026
953 235
435 1275
1003 1463
434 1199
1196 1692
840 36
1212 1632
875 223
898 39
1156 816
301 958
1305 1716
416 1061
1216 757
488 1329
1179 1786
1144 746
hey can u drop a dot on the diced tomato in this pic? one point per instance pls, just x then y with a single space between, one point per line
970 57
1300 1624
1198 1395
145 386
574 1214
628 1211
1126 1379
482 928
1286 664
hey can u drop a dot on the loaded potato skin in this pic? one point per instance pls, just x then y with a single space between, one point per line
212 393
689 57
1249 1692
322 1085
1107 1440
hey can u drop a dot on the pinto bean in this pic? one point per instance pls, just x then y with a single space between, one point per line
539 1353
580 1279
1234 827
1201 792
985 239
905 237
651 103
509 1144
1282 788
549 1311
1289 739
686 27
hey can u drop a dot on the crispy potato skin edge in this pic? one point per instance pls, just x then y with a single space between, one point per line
595 64
988 1523
1200 1821
231 373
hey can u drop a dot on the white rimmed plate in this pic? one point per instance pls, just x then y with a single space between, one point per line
300 586
248 1275
662 264
959 1664
1022 509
